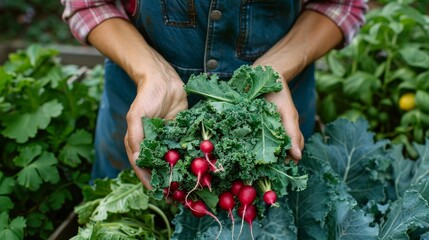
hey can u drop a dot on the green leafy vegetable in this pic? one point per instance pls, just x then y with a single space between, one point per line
78 145
407 213
11 229
32 121
47 117
250 141
121 209
330 207
38 167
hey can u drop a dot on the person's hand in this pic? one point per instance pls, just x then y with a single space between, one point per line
289 114
290 119
160 93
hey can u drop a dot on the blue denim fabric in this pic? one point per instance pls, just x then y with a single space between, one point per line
185 34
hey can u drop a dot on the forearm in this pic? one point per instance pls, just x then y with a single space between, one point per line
311 37
120 41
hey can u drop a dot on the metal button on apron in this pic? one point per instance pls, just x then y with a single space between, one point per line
211 64
215 15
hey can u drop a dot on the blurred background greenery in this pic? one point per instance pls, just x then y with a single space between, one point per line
34 21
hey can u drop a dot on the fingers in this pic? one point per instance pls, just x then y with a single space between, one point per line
132 140
297 139
290 120
134 133
143 174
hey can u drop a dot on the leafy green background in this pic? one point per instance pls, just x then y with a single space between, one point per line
47 119
387 59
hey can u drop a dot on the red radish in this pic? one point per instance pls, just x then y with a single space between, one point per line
236 186
165 192
199 167
246 196
206 181
206 146
174 186
248 214
199 209
171 156
270 198
179 195
187 204
227 203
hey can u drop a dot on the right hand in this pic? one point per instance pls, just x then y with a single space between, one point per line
160 93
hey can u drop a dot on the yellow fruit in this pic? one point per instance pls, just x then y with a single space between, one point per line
407 101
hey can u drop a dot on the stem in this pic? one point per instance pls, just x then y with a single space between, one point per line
216 169
264 184
242 221
206 135
389 59
193 189
70 101
232 227
217 220
161 213
171 179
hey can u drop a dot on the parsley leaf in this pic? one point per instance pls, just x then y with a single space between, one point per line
78 145
13 230
37 167
32 121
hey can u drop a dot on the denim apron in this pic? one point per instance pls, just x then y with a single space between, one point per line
215 37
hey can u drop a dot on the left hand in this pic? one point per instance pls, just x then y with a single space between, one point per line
289 115
312 35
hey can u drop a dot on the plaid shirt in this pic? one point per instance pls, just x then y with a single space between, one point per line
84 15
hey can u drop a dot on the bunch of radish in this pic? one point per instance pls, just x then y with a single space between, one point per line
240 196
226 153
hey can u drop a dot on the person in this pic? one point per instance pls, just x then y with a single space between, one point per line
152 47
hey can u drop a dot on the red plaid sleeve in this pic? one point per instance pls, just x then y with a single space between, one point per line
84 15
349 15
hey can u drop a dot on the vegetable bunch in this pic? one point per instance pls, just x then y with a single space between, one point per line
227 151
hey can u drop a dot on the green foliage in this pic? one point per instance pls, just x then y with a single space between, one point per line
388 58
421 5
358 188
11 228
121 209
46 126
332 207
34 21
250 141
